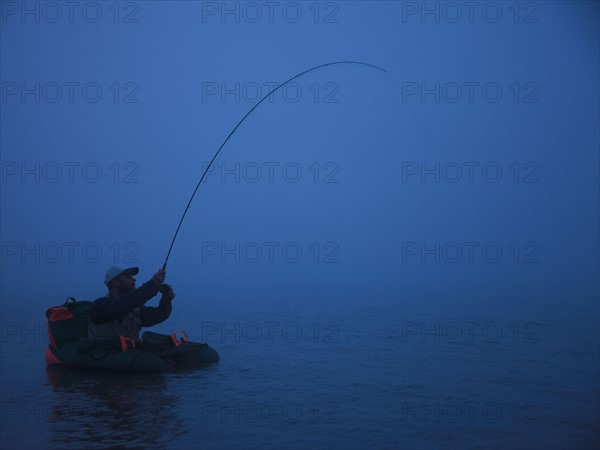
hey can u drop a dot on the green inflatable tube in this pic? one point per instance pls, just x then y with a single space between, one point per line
156 353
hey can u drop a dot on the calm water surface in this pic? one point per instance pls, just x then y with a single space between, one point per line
361 373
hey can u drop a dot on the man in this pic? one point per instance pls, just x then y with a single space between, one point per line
122 311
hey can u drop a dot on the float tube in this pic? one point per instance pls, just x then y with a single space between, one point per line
69 346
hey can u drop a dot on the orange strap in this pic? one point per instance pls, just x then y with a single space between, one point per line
59 313
178 337
127 343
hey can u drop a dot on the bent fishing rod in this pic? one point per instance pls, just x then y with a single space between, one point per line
240 123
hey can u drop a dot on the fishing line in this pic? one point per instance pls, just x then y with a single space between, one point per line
238 125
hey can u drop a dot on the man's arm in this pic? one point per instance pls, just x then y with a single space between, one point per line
152 316
107 309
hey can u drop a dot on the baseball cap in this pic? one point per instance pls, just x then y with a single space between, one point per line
115 271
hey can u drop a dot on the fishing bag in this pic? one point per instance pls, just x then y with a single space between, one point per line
68 322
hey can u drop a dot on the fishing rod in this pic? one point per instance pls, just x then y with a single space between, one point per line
238 125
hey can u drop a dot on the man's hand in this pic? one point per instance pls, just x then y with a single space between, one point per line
168 293
159 277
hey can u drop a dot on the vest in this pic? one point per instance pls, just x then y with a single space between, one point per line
129 326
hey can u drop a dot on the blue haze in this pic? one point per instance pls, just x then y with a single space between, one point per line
366 287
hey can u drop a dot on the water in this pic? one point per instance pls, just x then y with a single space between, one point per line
354 373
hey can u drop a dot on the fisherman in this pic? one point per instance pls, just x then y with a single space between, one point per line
122 312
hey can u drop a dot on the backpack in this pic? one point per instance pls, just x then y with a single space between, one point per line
68 322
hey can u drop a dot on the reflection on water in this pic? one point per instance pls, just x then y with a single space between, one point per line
97 409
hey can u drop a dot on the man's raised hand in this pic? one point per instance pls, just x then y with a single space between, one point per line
159 277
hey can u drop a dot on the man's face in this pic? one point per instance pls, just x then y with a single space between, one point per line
126 284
